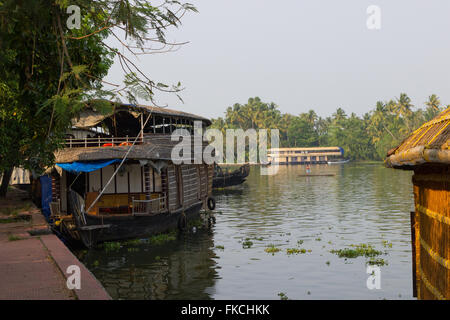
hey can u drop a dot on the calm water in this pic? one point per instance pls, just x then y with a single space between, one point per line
363 203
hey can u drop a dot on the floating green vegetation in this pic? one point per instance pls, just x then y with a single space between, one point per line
358 250
96 263
387 244
377 262
283 296
198 223
111 246
220 247
131 242
318 239
327 263
299 242
162 238
272 249
295 251
116 245
13 238
254 238
247 244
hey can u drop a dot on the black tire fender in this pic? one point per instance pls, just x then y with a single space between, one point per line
211 203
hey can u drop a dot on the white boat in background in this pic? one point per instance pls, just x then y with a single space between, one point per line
338 161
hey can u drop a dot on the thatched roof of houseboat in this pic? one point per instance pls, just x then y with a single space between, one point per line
154 147
428 144
90 117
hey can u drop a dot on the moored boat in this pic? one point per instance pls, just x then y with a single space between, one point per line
115 179
224 178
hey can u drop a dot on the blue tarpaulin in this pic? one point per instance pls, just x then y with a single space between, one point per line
77 167
46 194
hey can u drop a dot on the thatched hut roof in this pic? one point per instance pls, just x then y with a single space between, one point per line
428 144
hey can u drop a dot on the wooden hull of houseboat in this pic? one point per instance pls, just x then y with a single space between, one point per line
100 229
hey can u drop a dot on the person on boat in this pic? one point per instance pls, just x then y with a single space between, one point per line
308 169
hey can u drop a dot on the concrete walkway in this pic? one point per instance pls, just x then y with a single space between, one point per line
35 267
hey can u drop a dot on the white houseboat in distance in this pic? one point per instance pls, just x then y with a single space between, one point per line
115 178
313 155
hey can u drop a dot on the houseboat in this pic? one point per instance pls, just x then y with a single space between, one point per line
427 152
115 178
314 155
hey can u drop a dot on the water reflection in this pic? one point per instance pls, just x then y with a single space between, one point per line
167 271
361 203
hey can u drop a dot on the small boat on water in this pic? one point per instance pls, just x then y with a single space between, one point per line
339 161
223 178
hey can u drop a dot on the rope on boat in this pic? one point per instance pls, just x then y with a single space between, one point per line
429 286
120 165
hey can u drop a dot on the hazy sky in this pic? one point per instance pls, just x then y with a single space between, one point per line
305 54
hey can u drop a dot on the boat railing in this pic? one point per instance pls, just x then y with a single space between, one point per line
149 206
101 142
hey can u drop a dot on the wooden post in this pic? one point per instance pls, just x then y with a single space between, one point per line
142 128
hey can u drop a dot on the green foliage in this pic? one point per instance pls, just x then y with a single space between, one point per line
12 237
377 262
369 137
290 251
355 251
247 244
283 296
50 72
163 238
272 249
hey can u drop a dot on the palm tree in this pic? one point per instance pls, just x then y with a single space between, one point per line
339 115
434 102
404 109
378 119
433 107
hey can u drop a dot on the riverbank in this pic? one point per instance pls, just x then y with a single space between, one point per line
33 261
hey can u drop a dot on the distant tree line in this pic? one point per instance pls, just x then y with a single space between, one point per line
363 138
